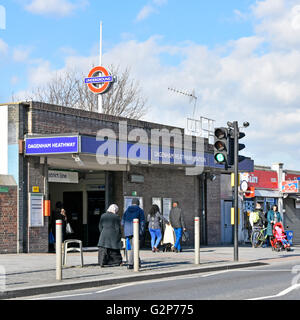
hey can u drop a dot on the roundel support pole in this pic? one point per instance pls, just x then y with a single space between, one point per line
100 101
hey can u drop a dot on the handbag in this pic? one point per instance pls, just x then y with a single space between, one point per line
185 236
51 238
69 228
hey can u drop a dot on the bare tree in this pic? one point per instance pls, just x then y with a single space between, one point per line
123 99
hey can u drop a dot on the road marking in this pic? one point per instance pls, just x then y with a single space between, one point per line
87 293
215 273
119 287
280 294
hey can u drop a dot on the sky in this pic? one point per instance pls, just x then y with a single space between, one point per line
241 58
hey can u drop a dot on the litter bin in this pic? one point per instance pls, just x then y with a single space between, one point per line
290 235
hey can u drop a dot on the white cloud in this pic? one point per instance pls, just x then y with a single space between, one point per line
54 7
3 47
279 22
145 12
21 54
149 9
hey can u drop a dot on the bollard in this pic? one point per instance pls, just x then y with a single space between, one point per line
136 245
197 240
58 249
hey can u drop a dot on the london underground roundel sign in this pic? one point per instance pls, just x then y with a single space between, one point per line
103 81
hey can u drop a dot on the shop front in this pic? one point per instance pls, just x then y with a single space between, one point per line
291 201
264 183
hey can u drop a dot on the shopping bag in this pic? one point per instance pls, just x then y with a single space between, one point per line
185 236
69 228
169 236
51 238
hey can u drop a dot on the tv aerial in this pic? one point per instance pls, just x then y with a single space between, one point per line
190 95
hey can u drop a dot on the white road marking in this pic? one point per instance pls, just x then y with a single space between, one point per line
82 294
280 294
215 273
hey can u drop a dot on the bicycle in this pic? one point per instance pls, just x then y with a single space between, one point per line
258 237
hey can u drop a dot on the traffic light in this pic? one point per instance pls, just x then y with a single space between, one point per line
241 146
230 147
220 145
230 144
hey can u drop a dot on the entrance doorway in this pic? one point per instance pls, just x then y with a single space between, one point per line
73 206
227 229
96 206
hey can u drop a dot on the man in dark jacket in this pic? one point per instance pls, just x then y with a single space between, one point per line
132 212
178 224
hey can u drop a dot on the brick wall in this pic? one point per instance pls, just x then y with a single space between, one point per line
8 220
213 211
166 183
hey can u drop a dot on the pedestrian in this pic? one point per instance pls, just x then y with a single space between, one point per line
257 217
132 212
258 220
178 224
60 214
155 220
110 238
273 217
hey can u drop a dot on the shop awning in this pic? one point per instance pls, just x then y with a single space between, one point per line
267 193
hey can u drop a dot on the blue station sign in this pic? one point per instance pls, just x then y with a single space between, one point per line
52 145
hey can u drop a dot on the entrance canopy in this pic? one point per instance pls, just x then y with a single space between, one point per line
73 150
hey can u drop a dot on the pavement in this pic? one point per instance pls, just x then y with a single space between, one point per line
31 274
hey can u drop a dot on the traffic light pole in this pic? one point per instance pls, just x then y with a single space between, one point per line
236 179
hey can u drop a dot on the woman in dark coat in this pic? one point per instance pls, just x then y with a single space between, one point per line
273 217
110 238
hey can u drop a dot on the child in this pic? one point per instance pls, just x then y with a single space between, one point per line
280 237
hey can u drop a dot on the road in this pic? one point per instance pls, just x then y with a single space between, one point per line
278 281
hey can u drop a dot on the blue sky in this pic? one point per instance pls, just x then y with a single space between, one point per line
242 58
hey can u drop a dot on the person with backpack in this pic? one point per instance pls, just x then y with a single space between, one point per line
131 213
257 217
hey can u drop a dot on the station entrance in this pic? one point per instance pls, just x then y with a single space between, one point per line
84 200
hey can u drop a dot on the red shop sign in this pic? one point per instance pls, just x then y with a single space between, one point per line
263 179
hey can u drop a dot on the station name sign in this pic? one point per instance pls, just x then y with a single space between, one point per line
51 145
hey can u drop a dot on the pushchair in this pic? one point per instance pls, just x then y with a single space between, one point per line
279 239
168 239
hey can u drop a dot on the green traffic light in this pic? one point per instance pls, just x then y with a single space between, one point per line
220 157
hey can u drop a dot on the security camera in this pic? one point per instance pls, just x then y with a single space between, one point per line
246 124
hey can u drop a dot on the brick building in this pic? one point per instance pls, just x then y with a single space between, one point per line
52 152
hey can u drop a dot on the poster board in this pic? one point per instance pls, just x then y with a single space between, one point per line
128 201
157 201
36 209
167 206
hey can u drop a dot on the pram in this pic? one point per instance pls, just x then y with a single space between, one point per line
279 239
168 239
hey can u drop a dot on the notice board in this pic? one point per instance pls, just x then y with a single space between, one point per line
35 209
